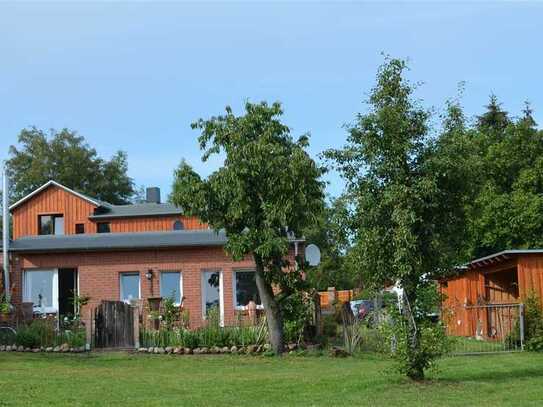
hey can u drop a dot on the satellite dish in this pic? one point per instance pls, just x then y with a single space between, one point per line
313 255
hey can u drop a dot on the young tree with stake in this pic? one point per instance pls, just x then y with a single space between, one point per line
407 202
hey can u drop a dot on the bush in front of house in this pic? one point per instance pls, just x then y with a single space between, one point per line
27 338
533 326
210 335
42 333
533 323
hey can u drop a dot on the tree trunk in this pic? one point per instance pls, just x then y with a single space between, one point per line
274 317
415 369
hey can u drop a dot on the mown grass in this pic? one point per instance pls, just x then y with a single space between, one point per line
152 380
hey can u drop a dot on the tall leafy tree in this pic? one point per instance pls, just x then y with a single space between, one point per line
406 209
495 119
65 156
267 190
507 207
331 233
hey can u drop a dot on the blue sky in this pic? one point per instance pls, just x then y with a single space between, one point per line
133 76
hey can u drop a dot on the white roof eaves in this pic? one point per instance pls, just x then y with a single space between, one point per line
47 185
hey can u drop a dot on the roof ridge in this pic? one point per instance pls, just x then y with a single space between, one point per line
52 182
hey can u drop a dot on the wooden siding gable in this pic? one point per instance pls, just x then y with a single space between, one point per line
52 200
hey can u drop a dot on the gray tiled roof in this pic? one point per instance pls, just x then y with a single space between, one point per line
118 241
143 209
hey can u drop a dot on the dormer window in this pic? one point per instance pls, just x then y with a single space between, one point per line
50 224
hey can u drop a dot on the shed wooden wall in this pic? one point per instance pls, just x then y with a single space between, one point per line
460 292
530 275
467 288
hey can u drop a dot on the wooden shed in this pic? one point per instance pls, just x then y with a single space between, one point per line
483 299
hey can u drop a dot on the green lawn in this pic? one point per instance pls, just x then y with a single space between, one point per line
122 379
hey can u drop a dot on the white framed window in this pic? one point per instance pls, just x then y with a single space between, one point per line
130 287
212 293
40 287
244 289
171 285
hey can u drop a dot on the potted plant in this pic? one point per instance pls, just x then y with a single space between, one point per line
5 309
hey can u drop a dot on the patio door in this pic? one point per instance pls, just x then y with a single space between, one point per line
212 294
67 288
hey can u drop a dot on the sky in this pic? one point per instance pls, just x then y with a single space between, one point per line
132 76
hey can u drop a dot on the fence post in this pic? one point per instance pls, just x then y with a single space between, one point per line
332 296
317 316
521 323
88 329
136 319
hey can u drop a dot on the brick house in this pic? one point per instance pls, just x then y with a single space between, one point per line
65 241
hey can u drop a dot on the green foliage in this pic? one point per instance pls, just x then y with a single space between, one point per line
210 335
258 148
329 326
5 306
535 344
533 324
42 333
65 157
267 187
267 191
407 200
296 311
433 344
331 233
533 316
27 337
170 312
502 162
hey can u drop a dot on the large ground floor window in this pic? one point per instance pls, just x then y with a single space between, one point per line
130 287
171 286
40 287
245 289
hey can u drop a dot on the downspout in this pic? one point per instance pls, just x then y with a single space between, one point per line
5 231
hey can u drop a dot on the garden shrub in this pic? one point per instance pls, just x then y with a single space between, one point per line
296 311
42 332
27 337
533 325
329 326
434 342
210 335
432 336
535 343
533 316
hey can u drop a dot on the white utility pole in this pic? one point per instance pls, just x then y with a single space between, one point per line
5 230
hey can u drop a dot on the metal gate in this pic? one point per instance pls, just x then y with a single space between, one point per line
487 328
114 325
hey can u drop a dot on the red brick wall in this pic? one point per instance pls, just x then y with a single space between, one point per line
99 274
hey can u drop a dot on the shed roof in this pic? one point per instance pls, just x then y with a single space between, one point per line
501 256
